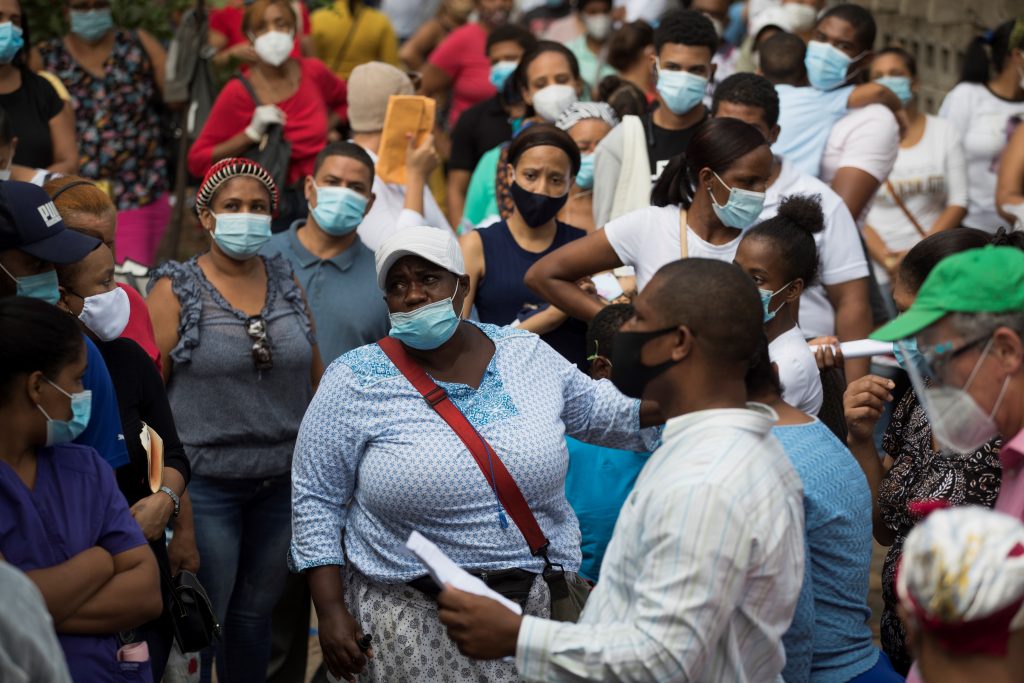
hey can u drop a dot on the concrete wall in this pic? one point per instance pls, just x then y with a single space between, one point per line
937 32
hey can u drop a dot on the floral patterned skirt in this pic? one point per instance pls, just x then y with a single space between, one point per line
410 645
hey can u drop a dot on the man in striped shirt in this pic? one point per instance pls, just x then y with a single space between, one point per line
703 571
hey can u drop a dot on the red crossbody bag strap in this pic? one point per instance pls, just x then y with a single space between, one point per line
505 486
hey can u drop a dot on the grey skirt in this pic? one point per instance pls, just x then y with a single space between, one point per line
410 645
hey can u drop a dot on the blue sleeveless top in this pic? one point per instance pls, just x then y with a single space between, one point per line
501 296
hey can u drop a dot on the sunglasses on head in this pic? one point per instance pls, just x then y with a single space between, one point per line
256 328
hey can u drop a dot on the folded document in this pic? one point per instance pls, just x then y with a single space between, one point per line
443 571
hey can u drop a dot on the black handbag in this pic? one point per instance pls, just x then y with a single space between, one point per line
272 152
191 612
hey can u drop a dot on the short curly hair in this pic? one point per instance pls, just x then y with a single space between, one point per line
686 27
750 90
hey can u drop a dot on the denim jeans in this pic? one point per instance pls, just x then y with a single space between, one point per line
243 527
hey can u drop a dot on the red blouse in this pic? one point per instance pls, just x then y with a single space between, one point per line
319 92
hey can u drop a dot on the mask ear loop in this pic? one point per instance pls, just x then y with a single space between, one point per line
712 194
977 366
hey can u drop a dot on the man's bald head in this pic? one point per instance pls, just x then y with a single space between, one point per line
718 302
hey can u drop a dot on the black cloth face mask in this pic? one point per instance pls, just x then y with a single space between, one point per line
629 374
536 209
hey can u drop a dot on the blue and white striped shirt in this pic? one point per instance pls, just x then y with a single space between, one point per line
702 574
370 440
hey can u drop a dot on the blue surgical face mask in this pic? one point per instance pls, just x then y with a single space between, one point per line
338 210
585 178
64 431
428 326
826 65
42 286
766 301
742 209
899 85
10 42
500 72
912 356
681 90
241 235
91 24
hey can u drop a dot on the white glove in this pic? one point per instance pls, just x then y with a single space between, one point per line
265 116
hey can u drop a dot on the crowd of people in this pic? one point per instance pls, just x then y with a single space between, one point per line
596 330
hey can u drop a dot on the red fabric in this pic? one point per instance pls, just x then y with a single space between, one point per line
228 21
463 56
305 128
140 326
493 469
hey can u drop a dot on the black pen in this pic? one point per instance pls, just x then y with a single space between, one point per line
364 642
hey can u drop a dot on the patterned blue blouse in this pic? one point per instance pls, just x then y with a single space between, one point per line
373 459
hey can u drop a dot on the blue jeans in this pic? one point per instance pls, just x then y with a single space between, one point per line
243 528
881 672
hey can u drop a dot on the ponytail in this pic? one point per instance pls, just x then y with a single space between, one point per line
673 185
716 144
1008 238
986 54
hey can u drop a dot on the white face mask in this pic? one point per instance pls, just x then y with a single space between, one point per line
106 314
958 423
551 101
273 47
801 17
5 173
598 26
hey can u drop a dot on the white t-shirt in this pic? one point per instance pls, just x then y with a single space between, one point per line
985 122
928 177
840 253
798 371
867 138
388 215
648 238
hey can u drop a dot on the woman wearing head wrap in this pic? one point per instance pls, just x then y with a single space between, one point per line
961 591
241 362
586 123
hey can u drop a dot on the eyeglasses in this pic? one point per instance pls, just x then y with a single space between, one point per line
256 328
941 355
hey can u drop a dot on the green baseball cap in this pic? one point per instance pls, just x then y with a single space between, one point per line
986 280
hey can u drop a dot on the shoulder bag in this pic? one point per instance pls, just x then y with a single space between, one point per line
568 591
273 152
190 610
903 207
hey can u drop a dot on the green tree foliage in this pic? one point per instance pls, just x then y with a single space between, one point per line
47 18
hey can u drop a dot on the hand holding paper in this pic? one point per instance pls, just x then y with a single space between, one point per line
406 115
443 571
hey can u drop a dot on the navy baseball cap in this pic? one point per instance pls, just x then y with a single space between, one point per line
29 221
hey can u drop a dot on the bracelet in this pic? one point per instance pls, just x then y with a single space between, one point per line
174 498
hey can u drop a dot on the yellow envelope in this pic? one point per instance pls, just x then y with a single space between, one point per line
154 445
406 114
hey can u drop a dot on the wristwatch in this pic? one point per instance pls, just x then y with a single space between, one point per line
174 497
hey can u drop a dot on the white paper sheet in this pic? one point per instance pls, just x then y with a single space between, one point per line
443 571
862 348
